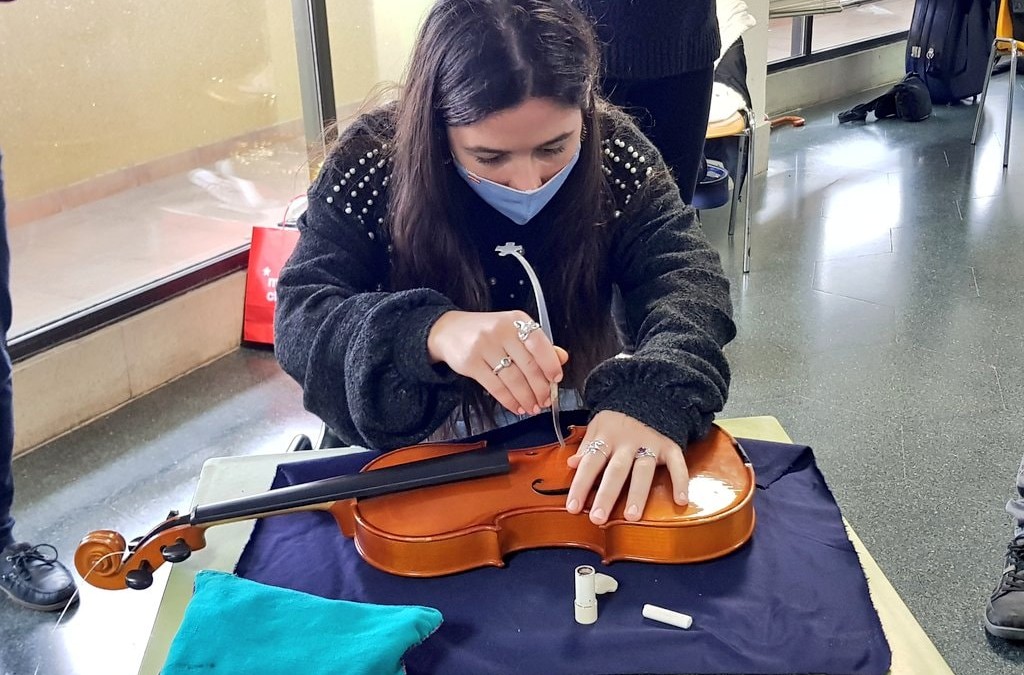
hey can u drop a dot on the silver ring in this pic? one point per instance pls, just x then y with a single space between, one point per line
505 362
595 446
524 328
645 452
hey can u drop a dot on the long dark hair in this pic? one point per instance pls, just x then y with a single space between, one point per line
474 58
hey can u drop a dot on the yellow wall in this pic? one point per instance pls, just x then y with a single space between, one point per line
397 23
352 32
91 87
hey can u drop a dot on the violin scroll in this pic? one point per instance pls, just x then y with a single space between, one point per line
99 556
106 561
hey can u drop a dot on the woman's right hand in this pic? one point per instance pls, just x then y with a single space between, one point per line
474 344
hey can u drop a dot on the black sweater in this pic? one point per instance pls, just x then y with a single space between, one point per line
650 39
360 351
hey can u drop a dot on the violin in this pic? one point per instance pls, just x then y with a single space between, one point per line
440 508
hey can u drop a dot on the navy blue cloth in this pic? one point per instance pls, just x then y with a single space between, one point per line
793 600
6 394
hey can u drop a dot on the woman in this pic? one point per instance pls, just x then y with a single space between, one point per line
398 318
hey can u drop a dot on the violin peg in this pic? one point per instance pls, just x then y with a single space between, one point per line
177 552
140 579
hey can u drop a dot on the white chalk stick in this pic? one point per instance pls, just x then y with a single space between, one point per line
677 619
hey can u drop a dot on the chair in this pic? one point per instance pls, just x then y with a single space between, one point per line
739 125
325 439
1003 44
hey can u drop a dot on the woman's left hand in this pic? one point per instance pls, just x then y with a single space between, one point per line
621 448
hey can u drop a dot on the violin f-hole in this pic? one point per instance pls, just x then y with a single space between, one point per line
547 492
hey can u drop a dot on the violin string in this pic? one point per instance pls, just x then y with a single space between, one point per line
74 596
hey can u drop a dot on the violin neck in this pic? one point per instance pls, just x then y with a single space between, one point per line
322 494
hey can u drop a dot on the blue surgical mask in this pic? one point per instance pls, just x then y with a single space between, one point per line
519 206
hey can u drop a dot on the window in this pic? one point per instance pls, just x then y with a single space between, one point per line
861 21
796 36
140 141
144 141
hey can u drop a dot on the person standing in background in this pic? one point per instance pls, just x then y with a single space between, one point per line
1004 613
659 65
30 575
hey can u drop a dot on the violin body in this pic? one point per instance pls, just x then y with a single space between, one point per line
455 527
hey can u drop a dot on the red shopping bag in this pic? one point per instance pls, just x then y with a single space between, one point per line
271 246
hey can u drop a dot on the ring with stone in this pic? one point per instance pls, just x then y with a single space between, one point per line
645 452
505 362
524 328
596 446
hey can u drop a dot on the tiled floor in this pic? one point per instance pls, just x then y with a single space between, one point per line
882 323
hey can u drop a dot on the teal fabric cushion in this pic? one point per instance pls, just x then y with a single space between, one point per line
233 625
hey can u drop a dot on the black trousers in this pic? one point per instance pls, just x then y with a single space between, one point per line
6 396
673 113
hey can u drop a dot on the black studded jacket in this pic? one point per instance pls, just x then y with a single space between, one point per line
359 350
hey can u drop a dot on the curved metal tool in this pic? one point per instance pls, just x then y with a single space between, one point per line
516 251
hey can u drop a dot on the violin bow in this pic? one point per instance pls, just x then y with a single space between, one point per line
516 251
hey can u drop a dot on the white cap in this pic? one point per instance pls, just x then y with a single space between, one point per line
604 584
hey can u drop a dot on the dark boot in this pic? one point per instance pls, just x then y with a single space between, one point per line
34 579
1004 615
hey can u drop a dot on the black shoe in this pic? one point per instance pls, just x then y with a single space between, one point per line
34 579
1004 615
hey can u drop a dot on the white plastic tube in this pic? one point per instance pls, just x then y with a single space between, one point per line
662 615
585 604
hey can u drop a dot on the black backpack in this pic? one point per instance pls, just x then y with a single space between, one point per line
1017 18
908 100
949 44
